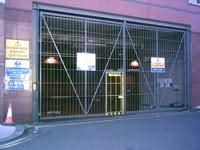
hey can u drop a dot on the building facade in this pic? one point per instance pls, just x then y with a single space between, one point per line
95 58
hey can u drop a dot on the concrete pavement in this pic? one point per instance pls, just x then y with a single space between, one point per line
122 127
172 131
10 132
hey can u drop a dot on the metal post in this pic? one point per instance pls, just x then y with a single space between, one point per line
85 71
124 66
157 104
40 67
35 67
188 49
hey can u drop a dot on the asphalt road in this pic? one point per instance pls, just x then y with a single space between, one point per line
180 131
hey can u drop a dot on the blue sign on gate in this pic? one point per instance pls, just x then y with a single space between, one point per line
158 70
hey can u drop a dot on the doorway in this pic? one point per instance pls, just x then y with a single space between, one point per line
114 93
122 82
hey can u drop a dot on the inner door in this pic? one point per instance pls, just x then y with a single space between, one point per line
114 93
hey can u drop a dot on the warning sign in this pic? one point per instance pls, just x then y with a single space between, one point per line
17 49
157 64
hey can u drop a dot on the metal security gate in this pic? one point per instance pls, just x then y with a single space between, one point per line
119 47
147 90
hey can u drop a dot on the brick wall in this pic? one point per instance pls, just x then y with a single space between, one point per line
1 62
195 38
18 25
180 12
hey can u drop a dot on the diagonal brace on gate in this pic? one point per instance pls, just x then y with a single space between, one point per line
71 82
173 65
133 45
104 71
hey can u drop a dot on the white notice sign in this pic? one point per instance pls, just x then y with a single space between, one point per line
86 62
157 64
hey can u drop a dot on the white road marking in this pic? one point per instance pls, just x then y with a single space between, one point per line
14 143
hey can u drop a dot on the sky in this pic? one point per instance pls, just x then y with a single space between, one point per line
2 1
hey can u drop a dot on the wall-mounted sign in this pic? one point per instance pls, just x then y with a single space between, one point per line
157 64
17 49
17 74
86 61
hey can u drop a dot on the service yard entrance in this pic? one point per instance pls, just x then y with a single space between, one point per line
123 66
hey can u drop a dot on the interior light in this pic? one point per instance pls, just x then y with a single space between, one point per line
134 63
51 60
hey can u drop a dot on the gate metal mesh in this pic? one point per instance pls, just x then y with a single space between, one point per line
147 90
64 91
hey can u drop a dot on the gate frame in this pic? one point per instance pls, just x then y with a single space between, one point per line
38 8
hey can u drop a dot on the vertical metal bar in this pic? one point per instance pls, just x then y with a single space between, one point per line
57 108
106 103
187 53
157 105
122 104
85 90
114 84
110 93
35 106
40 49
124 68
